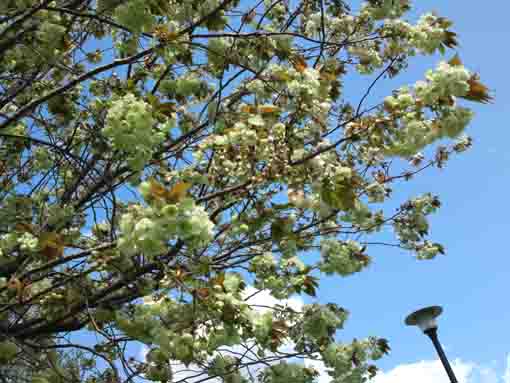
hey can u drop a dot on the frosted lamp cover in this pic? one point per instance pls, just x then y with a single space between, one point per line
427 323
425 318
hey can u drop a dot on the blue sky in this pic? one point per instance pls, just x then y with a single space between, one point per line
471 282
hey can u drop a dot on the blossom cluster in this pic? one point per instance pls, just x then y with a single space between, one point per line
135 15
368 57
217 52
385 9
131 129
148 229
346 361
320 322
237 147
225 366
447 80
428 250
438 93
304 84
27 242
343 258
444 82
282 277
427 36
376 192
185 86
412 226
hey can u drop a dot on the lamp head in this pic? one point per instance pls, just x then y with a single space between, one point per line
424 318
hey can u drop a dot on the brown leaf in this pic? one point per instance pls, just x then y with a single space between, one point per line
179 274
477 91
167 108
14 284
25 227
455 61
51 244
157 190
178 192
67 43
248 17
380 177
311 281
383 345
372 370
266 109
280 326
310 290
299 63
450 39
163 34
362 258
444 22
174 195
249 109
17 285
218 280
278 333
202 292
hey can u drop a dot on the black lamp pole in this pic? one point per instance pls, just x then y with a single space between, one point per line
425 319
432 334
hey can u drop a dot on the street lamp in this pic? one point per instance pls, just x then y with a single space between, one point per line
425 319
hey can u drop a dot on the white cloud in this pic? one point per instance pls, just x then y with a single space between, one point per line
487 375
426 371
262 300
506 377
433 371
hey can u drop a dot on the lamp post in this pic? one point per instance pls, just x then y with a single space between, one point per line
425 319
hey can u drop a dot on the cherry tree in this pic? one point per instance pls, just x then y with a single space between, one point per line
165 162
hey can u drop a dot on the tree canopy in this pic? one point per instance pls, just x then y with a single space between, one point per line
164 164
